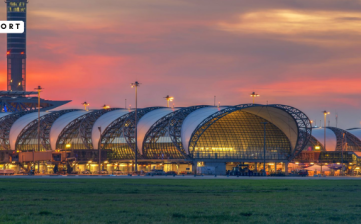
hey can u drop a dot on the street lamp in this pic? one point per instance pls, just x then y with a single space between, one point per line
264 147
135 85
85 104
253 95
99 150
106 107
169 98
325 113
39 90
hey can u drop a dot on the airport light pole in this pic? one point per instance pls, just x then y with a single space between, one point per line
253 95
135 85
169 98
39 90
264 147
325 113
99 149
85 104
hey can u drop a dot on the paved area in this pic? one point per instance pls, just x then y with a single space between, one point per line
180 177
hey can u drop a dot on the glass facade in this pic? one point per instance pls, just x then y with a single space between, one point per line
115 141
240 135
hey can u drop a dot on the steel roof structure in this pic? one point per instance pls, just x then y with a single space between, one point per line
189 133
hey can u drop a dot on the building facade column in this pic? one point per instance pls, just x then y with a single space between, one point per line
194 168
286 168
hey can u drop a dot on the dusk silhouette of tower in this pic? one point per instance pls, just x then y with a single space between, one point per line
16 47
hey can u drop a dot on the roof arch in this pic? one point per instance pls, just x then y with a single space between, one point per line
79 132
193 120
337 138
6 123
103 122
294 123
147 121
119 135
29 135
356 132
61 123
20 124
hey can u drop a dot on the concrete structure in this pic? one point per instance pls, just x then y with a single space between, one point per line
16 47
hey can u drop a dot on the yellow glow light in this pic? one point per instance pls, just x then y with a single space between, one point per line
338 163
317 147
222 148
357 168
67 146
297 163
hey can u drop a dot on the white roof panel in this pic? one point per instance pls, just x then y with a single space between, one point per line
20 124
193 120
147 121
61 123
103 122
3 114
280 119
331 140
356 132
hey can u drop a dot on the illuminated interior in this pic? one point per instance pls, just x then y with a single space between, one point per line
240 135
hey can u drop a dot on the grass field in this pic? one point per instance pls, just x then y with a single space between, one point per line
179 201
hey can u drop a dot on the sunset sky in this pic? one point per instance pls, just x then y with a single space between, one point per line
303 53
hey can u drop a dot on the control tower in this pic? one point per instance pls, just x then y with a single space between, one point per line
16 47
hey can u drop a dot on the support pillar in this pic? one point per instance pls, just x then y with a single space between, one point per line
275 167
286 168
255 167
194 168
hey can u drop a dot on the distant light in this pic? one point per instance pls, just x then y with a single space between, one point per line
338 163
297 163
22 53
8 52
317 147
67 145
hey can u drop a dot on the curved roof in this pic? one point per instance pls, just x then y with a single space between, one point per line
192 121
3 114
331 139
147 121
356 132
278 117
61 123
103 122
19 124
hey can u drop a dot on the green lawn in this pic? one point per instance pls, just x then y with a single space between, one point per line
179 201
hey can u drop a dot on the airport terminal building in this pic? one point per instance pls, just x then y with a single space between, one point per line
172 139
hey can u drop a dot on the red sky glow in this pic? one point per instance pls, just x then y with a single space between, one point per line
302 53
